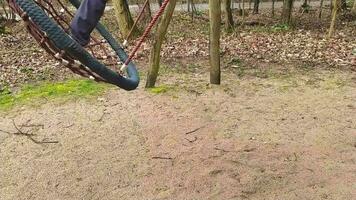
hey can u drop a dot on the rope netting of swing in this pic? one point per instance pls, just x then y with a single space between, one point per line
104 50
62 12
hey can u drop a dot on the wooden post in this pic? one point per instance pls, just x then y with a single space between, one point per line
215 26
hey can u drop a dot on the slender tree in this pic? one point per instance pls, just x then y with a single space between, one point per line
240 9
147 15
243 13
343 5
287 11
191 6
273 3
305 6
256 6
157 44
353 10
321 8
124 17
229 20
336 6
215 25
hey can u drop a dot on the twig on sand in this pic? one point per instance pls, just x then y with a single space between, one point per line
33 125
162 158
5 131
220 149
195 130
102 116
26 134
193 140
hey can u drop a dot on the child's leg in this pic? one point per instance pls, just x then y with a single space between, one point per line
86 19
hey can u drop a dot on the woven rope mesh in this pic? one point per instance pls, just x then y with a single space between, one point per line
62 12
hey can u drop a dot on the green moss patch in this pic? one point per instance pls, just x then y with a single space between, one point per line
159 89
62 90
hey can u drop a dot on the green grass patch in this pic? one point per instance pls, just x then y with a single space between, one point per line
281 27
3 29
159 89
60 90
272 29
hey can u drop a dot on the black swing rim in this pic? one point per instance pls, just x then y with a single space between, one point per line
66 44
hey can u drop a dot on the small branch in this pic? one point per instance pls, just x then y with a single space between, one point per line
33 125
195 130
193 140
223 150
68 126
102 116
162 158
28 135
19 131
5 131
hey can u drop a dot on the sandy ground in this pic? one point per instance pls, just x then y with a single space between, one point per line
281 137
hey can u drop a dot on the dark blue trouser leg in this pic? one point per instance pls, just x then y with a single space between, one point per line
86 19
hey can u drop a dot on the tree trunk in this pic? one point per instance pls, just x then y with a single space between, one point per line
287 11
243 13
240 9
229 20
304 8
353 10
147 16
321 8
214 44
255 6
336 5
148 12
305 3
192 9
124 17
343 4
157 45
273 2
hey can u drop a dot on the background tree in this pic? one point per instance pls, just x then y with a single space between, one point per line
157 44
321 8
343 4
243 12
214 45
305 7
239 8
2 18
124 17
229 20
287 11
147 14
336 6
191 6
256 6
273 2
353 10
6 16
